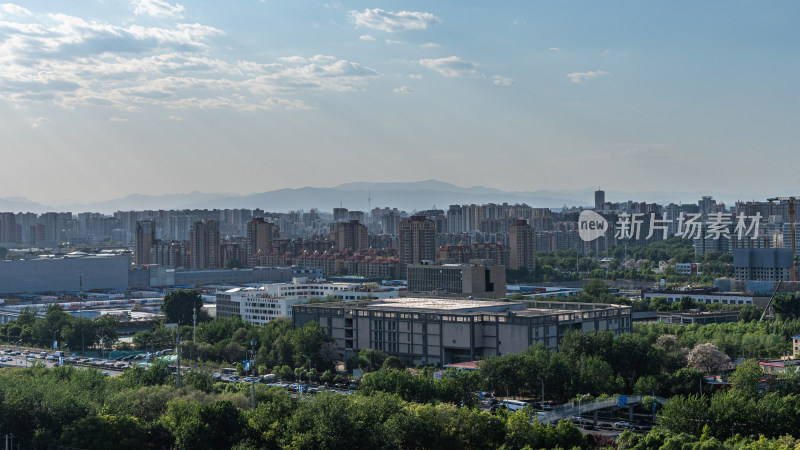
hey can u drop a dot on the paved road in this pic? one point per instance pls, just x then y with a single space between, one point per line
22 361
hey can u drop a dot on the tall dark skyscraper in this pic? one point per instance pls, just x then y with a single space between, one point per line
204 245
144 239
599 199
417 241
260 235
522 245
350 235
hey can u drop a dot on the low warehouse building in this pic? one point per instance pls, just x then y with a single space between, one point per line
438 331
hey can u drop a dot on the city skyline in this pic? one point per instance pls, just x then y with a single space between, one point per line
157 97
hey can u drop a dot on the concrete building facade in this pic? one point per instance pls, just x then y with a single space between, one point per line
767 264
204 245
54 274
261 305
522 246
437 331
467 279
144 240
417 241
351 235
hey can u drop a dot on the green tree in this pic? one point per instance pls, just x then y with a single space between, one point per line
102 431
374 358
747 377
685 414
205 425
786 306
107 330
393 362
178 307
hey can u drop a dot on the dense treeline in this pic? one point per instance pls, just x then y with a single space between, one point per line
75 333
757 339
750 409
67 407
228 341
565 265
593 363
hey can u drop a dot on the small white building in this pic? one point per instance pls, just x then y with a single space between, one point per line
263 304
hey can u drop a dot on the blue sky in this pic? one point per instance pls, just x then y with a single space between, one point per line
100 99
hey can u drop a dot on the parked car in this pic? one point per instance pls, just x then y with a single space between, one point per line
622 425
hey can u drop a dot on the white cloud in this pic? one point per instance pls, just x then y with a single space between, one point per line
580 77
500 80
452 67
555 49
430 45
117 119
70 62
391 42
39 122
322 59
415 76
293 59
176 118
158 8
403 90
14 10
392 22
366 37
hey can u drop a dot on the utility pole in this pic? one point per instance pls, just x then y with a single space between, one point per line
252 370
194 324
178 352
83 330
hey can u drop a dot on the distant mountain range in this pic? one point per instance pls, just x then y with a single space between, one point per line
407 196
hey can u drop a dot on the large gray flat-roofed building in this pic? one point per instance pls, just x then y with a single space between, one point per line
445 330
768 264
52 274
466 279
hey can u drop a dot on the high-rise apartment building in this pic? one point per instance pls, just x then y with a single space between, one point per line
522 243
350 235
8 229
204 245
599 199
260 235
417 241
456 219
144 239
340 215
390 222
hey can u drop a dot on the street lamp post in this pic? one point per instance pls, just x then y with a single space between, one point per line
654 403
55 345
178 352
542 381
252 371
580 418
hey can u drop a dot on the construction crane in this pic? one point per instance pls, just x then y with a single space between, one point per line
769 305
790 201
